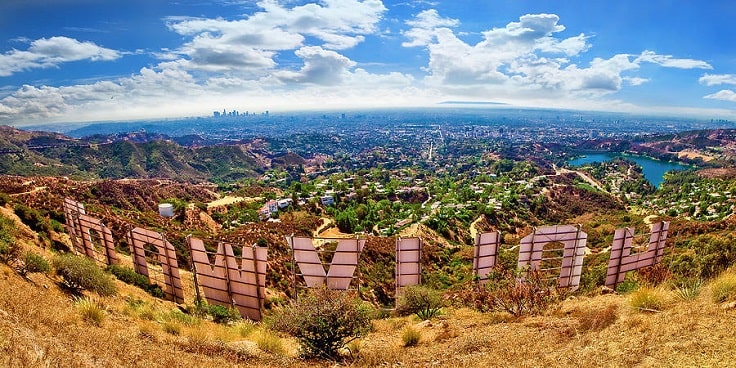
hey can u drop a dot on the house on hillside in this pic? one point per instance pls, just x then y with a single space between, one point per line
327 200
267 209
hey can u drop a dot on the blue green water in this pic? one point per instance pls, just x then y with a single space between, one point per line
653 170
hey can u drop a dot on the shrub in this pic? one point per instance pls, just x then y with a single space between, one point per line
129 276
517 294
245 327
654 275
324 321
422 301
79 273
178 317
171 327
411 337
32 218
267 341
688 289
724 288
707 256
33 262
4 199
92 312
648 299
10 250
627 286
222 314
218 313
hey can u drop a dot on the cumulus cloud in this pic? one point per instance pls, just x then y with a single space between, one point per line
251 44
50 52
525 60
286 56
424 28
320 67
325 79
717 79
723 95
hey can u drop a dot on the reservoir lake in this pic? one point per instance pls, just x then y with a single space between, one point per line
653 170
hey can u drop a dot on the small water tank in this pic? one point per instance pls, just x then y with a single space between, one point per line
166 210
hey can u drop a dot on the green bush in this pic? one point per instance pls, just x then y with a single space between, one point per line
422 301
706 256
4 199
33 262
129 276
324 321
10 250
688 288
32 218
222 314
78 272
218 313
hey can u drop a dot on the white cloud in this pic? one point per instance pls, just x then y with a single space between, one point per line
717 79
723 95
635 81
326 79
525 60
250 45
670 62
424 27
290 57
50 52
320 67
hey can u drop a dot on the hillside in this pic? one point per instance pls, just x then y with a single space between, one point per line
41 325
678 313
133 155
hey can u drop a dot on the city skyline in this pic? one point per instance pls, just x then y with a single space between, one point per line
82 60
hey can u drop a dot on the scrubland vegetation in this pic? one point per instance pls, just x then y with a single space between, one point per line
58 309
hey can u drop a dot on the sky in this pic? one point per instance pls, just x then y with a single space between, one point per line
99 60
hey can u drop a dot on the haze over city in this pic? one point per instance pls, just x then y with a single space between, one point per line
81 60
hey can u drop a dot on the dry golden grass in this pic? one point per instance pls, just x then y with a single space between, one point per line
40 325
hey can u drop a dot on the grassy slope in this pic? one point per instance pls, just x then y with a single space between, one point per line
41 326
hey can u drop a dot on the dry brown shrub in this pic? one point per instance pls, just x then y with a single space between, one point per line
517 293
654 275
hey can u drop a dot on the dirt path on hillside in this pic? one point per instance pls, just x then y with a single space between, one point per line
582 175
36 189
648 219
473 230
325 223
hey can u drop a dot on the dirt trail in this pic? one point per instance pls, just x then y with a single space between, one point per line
325 223
473 230
36 189
582 175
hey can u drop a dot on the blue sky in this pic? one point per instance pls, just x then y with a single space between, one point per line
95 60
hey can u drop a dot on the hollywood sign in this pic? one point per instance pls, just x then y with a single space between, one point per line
240 281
